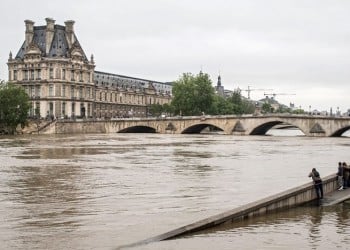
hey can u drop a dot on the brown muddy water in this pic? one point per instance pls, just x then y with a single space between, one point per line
102 191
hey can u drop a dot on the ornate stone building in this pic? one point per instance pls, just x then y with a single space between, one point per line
61 81
124 96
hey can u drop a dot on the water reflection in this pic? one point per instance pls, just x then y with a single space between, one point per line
46 197
48 194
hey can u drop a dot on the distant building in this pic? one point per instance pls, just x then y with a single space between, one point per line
120 96
62 82
221 91
219 88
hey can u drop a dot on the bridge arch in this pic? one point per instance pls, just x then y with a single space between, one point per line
262 129
340 132
198 128
138 129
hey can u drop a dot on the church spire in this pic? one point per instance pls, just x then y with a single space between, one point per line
219 81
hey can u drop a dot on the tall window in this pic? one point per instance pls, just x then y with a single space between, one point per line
72 91
51 90
89 110
37 91
80 92
37 109
88 92
73 109
32 74
63 109
63 74
51 108
72 75
58 73
81 76
63 90
26 75
15 75
51 73
38 74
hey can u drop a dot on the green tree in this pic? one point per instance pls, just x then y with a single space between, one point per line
14 107
266 108
298 111
221 106
283 109
167 108
156 109
248 107
193 95
240 105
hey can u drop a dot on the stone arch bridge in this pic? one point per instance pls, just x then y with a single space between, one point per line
236 125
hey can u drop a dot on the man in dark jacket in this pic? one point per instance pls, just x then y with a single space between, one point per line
317 183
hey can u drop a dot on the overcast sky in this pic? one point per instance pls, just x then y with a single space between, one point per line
295 47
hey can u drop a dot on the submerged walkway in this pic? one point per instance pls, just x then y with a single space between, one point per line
336 197
285 200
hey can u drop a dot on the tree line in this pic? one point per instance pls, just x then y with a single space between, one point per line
195 95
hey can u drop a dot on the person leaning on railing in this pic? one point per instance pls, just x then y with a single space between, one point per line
340 176
317 183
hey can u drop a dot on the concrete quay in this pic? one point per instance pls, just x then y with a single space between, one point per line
284 200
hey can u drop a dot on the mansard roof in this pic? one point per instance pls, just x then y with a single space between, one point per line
122 81
59 46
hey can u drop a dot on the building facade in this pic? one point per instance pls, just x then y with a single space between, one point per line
125 96
62 82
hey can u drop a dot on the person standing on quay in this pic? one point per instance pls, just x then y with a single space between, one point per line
346 175
317 183
340 176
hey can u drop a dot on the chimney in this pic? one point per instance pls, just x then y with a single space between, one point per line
50 30
69 32
29 32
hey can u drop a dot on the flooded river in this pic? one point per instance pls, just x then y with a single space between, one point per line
102 191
